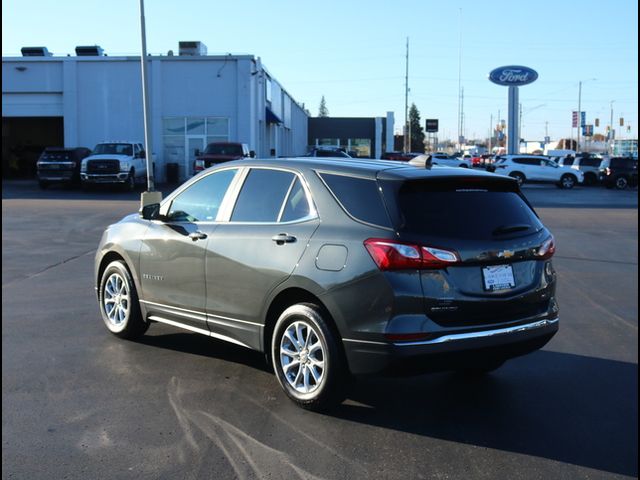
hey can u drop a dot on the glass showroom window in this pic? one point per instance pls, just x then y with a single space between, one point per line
217 129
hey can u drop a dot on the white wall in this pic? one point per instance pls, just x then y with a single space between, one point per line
100 98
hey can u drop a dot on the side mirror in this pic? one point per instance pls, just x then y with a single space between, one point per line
150 212
142 154
252 154
196 152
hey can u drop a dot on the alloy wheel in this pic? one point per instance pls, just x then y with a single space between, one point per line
116 300
302 357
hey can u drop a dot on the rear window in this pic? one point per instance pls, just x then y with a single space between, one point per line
223 149
360 197
623 163
456 211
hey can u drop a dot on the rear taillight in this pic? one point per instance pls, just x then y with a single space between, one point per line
392 255
547 249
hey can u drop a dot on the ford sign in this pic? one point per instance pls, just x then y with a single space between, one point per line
513 76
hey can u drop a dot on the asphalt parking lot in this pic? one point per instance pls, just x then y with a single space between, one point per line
79 403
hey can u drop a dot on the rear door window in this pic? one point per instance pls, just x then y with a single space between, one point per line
359 197
262 196
454 210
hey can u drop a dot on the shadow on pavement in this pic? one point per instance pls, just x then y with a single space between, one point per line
563 407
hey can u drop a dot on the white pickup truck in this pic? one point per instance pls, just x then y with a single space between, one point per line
121 163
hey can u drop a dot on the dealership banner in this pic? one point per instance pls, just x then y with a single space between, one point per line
574 120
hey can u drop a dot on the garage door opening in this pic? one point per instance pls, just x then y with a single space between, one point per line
24 139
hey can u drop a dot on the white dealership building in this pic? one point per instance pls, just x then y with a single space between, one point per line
83 99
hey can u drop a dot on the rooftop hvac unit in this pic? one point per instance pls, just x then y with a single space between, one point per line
89 51
35 52
192 48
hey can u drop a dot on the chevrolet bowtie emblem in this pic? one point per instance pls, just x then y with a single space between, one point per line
506 254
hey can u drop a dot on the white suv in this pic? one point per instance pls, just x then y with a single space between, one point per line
537 168
448 161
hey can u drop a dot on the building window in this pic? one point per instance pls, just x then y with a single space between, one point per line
197 132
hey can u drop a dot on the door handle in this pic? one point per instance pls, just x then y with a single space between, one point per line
283 238
197 236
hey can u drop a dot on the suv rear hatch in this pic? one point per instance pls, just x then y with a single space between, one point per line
484 250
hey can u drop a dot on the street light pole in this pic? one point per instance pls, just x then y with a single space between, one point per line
611 129
145 100
579 115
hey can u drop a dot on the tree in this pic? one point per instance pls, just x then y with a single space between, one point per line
417 132
598 137
323 111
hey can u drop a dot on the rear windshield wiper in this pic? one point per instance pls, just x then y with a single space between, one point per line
505 229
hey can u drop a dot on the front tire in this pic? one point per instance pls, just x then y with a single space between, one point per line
119 303
567 181
307 358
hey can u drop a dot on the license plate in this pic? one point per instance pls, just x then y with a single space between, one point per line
498 277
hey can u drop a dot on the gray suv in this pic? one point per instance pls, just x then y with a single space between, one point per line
338 267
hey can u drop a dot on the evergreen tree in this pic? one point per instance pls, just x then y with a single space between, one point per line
323 111
417 132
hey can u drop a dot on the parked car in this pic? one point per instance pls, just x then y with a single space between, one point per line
399 156
60 165
220 152
587 163
537 168
337 268
325 152
619 172
116 163
448 161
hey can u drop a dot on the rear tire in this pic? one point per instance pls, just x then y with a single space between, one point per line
520 178
590 179
622 183
119 304
307 358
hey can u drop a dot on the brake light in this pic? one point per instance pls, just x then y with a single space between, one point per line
547 249
198 165
392 255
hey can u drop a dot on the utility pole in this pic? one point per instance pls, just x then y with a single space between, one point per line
407 134
579 114
490 132
461 116
611 129
145 99
460 94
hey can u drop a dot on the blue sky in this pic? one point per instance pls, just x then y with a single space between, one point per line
353 52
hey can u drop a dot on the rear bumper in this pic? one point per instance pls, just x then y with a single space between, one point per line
449 351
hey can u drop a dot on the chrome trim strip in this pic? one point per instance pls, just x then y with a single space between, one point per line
180 325
482 334
353 340
211 318
201 315
199 330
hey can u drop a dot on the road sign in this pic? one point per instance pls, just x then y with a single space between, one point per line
431 125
